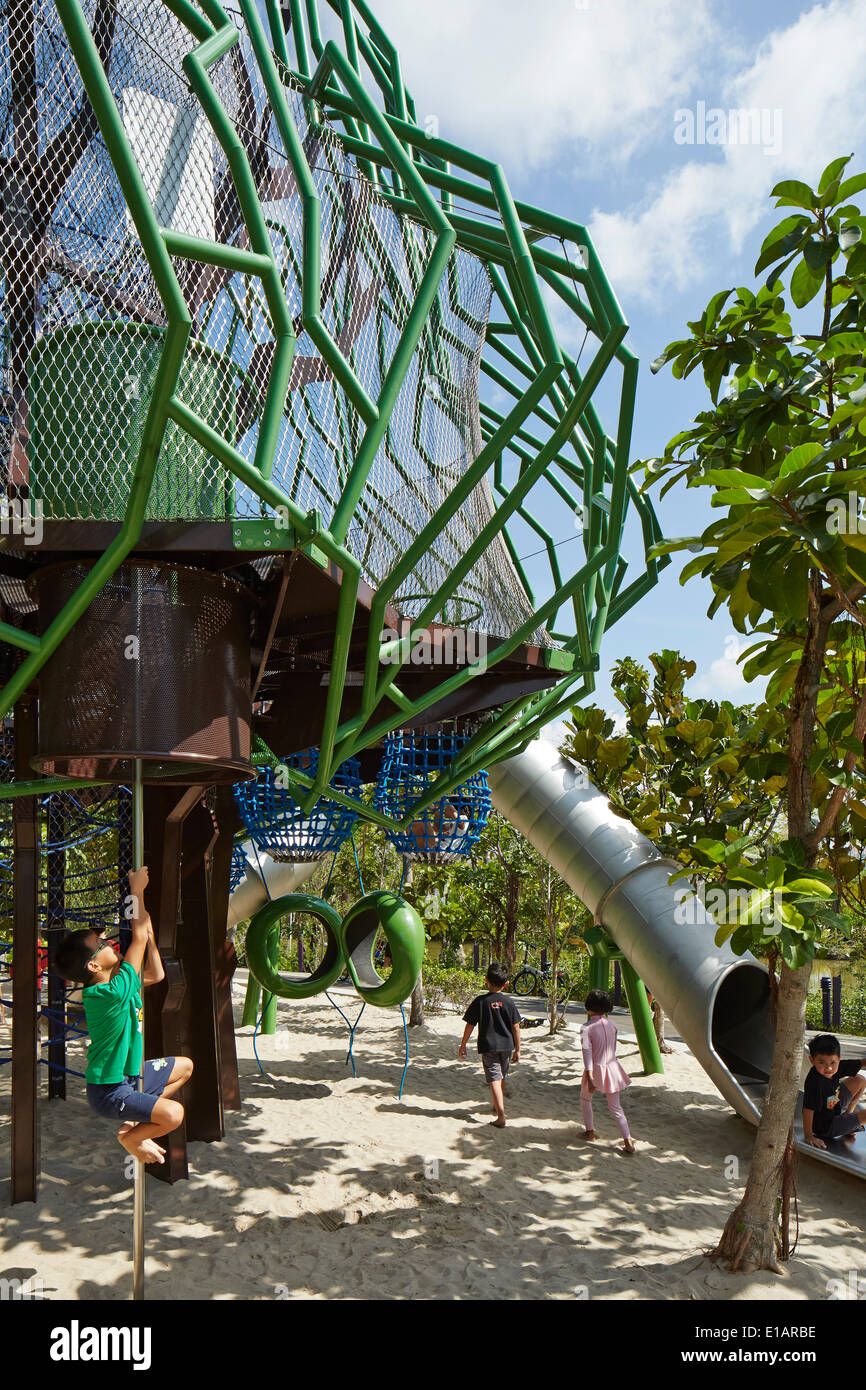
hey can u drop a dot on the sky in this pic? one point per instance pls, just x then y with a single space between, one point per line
603 110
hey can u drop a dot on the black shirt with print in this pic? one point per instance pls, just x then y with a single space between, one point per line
822 1095
495 1014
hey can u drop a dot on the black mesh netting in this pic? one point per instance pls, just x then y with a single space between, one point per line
158 668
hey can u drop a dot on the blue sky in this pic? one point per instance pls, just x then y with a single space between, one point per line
579 99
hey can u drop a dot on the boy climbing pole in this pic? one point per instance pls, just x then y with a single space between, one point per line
113 1010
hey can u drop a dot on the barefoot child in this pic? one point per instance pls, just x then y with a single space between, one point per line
602 1072
830 1094
112 1007
498 1023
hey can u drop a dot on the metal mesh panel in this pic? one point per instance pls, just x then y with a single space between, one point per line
83 324
158 668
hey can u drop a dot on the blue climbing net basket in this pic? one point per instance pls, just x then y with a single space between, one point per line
449 828
276 823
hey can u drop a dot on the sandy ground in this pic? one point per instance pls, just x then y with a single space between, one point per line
330 1187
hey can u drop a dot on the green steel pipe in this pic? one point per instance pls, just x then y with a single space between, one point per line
460 678
252 999
312 221
374 689
44 786
19 638
641 1017
198 26
195 66
268 491
193 248
599 973
299 34
461 492
339 665
333 61
519 491
536 217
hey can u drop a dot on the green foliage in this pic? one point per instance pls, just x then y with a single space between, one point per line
783 450
705 781
456 987
853 1012
701 778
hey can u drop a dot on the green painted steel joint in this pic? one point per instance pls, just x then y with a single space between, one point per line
262 535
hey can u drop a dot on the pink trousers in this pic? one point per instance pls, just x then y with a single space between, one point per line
614 1105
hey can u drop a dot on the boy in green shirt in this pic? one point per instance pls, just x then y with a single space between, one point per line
112 1007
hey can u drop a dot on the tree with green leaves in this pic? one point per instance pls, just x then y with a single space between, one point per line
783 452
700 778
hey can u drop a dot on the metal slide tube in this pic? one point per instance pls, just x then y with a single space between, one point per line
663 930
264 880
717 1001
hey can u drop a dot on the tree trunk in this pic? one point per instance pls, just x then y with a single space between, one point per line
751 1238
511 911
659 1025
416 1011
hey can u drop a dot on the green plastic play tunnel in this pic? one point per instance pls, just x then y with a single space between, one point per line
265 925
404 932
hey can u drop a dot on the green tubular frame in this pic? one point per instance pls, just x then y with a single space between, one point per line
550 430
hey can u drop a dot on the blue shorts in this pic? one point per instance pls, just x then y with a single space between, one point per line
122 1101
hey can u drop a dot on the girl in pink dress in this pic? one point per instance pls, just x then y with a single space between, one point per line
602 1072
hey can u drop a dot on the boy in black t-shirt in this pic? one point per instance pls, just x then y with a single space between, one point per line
498 1024
830 1094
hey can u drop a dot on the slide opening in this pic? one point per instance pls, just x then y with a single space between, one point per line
741 1030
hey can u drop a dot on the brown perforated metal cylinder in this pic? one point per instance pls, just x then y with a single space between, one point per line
157 669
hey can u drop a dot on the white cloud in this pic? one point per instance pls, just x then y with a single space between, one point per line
532 85
811 72
555 733
723 680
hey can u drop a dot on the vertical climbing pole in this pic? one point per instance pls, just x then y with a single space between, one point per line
25 988
138 1196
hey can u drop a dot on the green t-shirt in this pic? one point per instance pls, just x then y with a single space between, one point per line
113 1013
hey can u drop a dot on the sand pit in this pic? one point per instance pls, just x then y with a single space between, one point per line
328 1187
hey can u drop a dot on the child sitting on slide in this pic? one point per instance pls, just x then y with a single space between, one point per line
830 1094
602 1072
112 1008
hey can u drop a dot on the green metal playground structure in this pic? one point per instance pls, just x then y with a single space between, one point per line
285 398
279 302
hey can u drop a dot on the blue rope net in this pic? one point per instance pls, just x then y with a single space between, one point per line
85 851
276 823
238 869
449 828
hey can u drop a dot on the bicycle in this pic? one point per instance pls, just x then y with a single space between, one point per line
533 979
